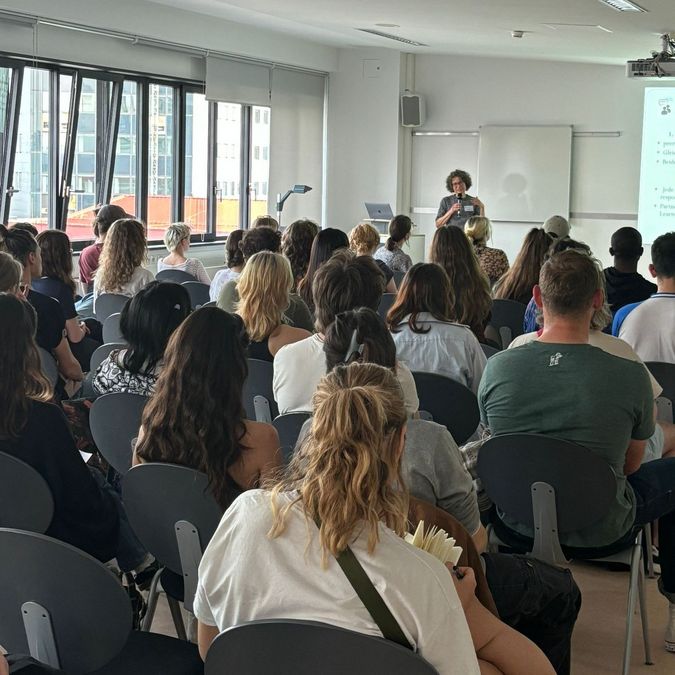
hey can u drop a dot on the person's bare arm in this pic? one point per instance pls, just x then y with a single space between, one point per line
448 214
75 330
634 456
261 457
480 539
136 460
205 636
391 286
68 365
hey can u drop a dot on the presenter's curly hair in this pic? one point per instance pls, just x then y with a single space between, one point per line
350 458
458 173
124 250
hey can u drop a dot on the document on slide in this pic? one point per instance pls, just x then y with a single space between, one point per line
656 213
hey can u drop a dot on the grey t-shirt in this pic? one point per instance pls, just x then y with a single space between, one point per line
460 217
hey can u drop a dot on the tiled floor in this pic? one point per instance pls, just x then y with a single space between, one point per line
598 638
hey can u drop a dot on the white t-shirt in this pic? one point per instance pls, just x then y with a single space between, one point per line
650 328
608 343
246 576
299 367
191 266
139 280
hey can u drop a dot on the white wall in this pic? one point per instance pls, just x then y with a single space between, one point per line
363 152
464 93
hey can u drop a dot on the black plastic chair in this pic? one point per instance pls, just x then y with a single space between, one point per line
554 487
308 647
114 420
174 515
665 376
288 427
449 403
398 278
111 329
50 368
258 396
386 304
177 276
506 322
26 501
199 293
68 611
109 303
489 350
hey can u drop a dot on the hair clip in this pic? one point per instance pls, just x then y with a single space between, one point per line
355 347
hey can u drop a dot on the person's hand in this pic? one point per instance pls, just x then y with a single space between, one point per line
479 204
465 587
454 208
4 666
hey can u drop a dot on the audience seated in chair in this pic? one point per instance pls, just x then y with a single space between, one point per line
254 241
177 242
493 261
234 261
426 337
561 386
264 288
147 322
391 254
51 323
296 245
649 326
364 240
196 417
120 270
287 538
326 242
624 284
344 283
87 512
471 289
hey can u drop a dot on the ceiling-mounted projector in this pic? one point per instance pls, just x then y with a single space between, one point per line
661 64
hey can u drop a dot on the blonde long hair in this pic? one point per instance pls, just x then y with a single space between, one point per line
264 287
347 471
123 251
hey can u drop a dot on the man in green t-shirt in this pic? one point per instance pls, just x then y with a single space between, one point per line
561 386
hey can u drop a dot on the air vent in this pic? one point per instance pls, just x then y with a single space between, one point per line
623 5
389 36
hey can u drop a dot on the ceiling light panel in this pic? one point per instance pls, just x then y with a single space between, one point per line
577 27
623 5
389 36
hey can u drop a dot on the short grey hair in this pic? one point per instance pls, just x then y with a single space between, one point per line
175 233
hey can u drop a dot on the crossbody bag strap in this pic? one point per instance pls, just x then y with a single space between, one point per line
372 600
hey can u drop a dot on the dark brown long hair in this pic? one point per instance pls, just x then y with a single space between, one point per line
57 262
517 283
21 378
425 288
296 245
196 416
452 251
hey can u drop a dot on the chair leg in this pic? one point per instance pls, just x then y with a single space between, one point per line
650 552
153 595
177 617
644 618
632 588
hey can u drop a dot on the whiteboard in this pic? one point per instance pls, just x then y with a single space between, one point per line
524 172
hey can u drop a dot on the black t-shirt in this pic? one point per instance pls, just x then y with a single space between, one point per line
84 515
50 321
55 288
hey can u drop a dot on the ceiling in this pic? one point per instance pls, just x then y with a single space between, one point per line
473 27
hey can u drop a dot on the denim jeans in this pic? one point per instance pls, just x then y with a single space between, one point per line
538 600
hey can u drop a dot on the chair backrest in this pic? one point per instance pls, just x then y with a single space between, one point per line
111 329
258 396
294 647
114 420
385 304
50 368
489 350
584 484
507 320
174 515
288 427
109 303
26 501
398 278
59 604
178 276
199 293
665 376
449 403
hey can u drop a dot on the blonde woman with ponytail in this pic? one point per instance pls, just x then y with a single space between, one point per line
343 489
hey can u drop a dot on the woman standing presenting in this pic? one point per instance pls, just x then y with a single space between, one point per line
458 207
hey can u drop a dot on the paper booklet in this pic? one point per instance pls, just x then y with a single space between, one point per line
437 542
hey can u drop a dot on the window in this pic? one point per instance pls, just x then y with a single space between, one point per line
228 169
196 161
257 116
260 170
124 175
256 152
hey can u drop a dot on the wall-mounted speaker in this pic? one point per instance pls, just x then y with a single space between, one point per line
412 110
